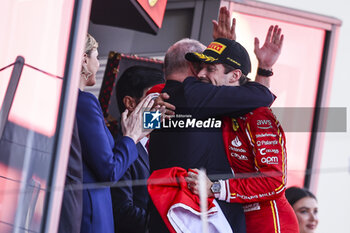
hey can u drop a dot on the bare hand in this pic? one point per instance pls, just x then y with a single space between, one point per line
268 54
169 108
132 125
223 29
193 182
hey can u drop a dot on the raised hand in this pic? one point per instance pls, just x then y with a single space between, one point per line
268 54
161 101
223 29
132 124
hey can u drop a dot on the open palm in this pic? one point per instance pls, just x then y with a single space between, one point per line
268 54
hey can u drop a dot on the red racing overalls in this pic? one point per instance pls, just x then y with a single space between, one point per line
255 147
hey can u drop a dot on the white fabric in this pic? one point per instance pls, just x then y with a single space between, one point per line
223 191
185 219
143 142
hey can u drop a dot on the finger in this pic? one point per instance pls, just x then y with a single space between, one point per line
190 175
268 35
138 107
215 24
279 32
162 109
215 29
163 112
195 170
165 95
169 112
169 106
194 176
256 44
155 108
227 20
189 180
145 102
275 34
125 115
233 29
221 15
150 106
195 191
221 12
280 44
159 101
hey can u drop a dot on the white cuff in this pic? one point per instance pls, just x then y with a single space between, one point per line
222 195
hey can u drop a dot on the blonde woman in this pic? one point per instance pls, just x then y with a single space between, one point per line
103 159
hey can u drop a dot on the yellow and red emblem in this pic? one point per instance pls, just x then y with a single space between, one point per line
152 2
216 47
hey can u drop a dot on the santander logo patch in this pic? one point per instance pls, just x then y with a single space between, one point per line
236 142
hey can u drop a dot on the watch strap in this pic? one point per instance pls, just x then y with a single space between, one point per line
264 72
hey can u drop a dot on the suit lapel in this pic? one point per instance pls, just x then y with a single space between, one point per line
143 155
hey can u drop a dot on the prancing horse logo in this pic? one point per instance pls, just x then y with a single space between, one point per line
152 2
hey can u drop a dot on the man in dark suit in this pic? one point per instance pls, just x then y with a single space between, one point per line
130 202
203 148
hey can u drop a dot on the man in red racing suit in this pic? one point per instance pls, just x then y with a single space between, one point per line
254 143
255 146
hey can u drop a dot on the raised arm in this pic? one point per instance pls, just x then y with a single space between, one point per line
207 100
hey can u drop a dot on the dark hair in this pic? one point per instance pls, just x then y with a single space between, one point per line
294 194
134 81
242 80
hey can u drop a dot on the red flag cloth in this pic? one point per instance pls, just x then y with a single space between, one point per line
156 89
178 206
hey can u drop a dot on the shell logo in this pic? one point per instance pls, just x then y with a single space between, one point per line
152 2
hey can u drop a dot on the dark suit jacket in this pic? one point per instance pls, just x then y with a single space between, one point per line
130 203
202 148
72 203
103 161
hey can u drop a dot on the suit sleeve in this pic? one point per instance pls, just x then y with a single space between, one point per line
207 100
268 146
104 157
127 215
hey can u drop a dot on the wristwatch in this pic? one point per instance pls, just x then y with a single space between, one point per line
215 188
264 72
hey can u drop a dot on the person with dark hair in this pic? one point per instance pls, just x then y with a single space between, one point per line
134 83
130 202
305 206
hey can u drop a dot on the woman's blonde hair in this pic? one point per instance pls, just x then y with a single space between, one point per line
90 44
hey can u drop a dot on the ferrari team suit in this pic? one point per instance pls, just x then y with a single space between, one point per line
255 147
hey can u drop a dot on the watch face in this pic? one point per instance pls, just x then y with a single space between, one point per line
215 188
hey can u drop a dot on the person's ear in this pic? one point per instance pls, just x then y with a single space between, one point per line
193 67
129 103
235 76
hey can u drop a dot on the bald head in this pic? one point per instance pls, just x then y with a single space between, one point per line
175 61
